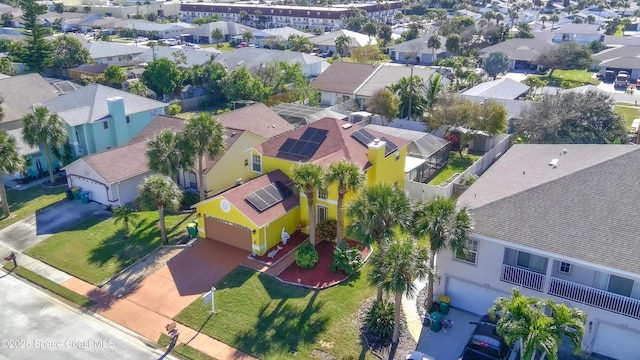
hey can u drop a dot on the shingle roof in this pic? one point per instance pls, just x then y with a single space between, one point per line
389 74
514 107
89 104
252 58
504 88
103 49
21 146
337 145
581 209
258 119
519 49
236 196
355 39
192 56
420 45
159 123
110 165
20 93
583 29
343 78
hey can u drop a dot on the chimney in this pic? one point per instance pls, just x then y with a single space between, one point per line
115 105
376 156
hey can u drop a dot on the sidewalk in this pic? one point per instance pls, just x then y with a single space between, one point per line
410 309
142 321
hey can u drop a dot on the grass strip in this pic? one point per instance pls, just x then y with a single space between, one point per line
184 350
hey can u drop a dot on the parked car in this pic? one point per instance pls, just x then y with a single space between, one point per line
242 44
140 39
170 42
609 76
190 46
485 342
417 355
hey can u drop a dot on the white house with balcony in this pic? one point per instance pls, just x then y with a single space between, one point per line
559 222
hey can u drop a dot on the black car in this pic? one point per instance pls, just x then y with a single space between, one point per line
485 343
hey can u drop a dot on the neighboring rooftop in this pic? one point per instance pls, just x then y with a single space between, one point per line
300 115
504 88
343 77
258 119
582 208
19 94
109 164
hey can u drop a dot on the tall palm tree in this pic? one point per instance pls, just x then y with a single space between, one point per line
432 92
218 35
309 178
147 3
347 177
445 226
247 36
543 19
499 17
554 19
409 91
243 15
434 43
591 19
127 216
205 135
168 153
394 270
342 43
138 88
568 322
160 192
374 212
42 128
10 162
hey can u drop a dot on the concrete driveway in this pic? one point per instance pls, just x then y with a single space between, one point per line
448 344
46 222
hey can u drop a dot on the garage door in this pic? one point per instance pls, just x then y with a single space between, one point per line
616 342
470 297
233 235
98 191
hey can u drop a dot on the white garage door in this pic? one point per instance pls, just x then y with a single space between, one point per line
98 192
616 342
470 297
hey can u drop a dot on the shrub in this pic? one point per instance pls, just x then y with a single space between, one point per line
379 321
346 259
468 180
327 229
189 199
307 256
174 109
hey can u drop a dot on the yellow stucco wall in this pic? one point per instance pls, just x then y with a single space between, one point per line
231 166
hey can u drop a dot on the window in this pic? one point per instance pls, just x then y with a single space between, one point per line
620 285
193 183
471 253
564 267
256 163
246 162
322 213
105 125
397 155
128 119
531 262
322 195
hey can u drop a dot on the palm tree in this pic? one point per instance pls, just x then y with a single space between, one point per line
554 19
543 19
138 4
205 135
499 17
10 162
138 88
247 36
218 35
445 226
394 270
434 43
243 15
374 212
591 19
432 92
347 177
309 178
147 3
162 193
568 322
127 216
42 128
168 153
342 43
409 91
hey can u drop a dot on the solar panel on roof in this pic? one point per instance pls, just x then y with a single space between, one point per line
308 134
264 195
257 202
274 192
390 146
319 136
287 146
309 149
268 196
363 136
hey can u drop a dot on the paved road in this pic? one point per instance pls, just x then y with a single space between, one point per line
36 326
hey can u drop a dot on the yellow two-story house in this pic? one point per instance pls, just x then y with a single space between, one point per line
253 214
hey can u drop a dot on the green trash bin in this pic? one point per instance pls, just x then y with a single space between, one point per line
435 318
84 196
76 193
192 230
445 304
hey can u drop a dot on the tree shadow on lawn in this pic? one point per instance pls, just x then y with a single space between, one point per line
125 250
283 329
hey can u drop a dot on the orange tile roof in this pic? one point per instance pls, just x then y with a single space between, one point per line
236 196
338 145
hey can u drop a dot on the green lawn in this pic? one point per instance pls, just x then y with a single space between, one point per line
628 114
456 164
578 76
260 316
26 202
96 249
185 351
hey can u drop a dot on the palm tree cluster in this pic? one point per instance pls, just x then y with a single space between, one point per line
524 320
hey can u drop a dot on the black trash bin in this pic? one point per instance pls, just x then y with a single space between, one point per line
69 194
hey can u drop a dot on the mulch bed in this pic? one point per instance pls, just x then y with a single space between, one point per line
385 349
320 276
296 239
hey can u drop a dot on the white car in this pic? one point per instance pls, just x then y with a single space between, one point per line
140 39
190 46
170 42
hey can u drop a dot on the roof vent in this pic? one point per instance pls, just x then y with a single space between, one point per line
553 163
347 126
376 141
233 134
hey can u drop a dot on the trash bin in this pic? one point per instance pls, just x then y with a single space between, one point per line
69 194
76 193
435 318
445 303
192 230
84 196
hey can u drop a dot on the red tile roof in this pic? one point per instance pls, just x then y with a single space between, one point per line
338 145
258 119
236 196
343 78
120 163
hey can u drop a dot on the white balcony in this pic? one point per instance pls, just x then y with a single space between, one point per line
522 277
595 297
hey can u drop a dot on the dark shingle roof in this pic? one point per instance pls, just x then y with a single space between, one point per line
343 78
582 209
519 49
20 93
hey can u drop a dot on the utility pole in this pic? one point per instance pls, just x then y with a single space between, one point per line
410 91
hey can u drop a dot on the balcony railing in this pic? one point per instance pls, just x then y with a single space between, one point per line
595 297
521 277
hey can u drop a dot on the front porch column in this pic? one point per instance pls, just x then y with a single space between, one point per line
547 278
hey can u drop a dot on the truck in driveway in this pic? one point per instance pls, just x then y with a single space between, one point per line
622 80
